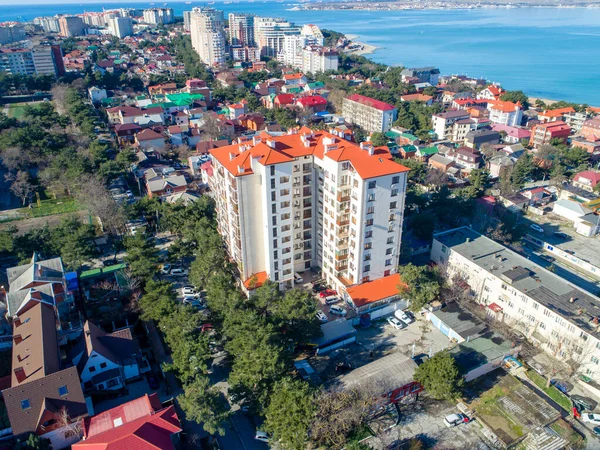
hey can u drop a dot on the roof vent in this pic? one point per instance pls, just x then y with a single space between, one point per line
572 300
232 155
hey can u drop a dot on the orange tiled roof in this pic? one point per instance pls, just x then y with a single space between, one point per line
376 290
287 147
503 106
557 112
258 279
293 76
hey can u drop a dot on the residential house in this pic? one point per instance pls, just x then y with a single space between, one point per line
591 130
368 113
149 140
515 203
376 295
41 392
429 75
476 138
537 196
140 424
465 157
586 180
440 162
237 109
283 100
553 115
295 79
424 153
443 124
498 163
204 147
492 92
253 121
512 134
312 103
468 103
505 113
570 209
427 99
176 135
575 120
105 361
164 185
593 148
162 89
181 118
126 132
228 79
96 94
544 133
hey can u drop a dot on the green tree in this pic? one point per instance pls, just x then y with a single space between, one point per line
420 285
440 376
142 255
33 442
158 300
516 96
418 170
203 403
523 169
290 412
378 139
295 315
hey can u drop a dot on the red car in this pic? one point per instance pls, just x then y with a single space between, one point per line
327 293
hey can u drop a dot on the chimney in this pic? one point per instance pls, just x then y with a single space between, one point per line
231 156
20 374
17 338
572 300
256 140
271 143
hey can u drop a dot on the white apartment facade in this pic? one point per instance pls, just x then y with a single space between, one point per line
316 58
505 113
443 124
553 314
120 26
291 203
368 113
208 35
241 29
157 16
270 33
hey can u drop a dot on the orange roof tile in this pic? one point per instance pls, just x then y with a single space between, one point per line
256 280
557 112
293 76
376 290
503 106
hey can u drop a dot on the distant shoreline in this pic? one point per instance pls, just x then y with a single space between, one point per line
417 6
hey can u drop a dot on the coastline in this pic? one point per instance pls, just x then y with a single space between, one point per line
366 49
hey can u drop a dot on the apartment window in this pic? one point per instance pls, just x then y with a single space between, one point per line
388 251
63 391
284 192
368 234
395 180
287 272
367 268
371 198
276 265
391 228
274 220
542 325
367 257
364 279
274 243
274 232
273 208
394 192
275 255
272 183
284 205
285 216
273 196
388 262
536 305
283 180
272 170
285 228
390 240
285 239
393 205
369 222
595 360
276 276
103 365
370 210
386 273
287 261
547 312
372 184
511 304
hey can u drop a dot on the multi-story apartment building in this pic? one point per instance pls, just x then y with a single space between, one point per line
42 60
11 32
157 16
429 75
575 120
269 34
241 29
368 113
443 125
551 312
543 133
590 130
316 58
246 54
208 35
505 113
48 24
71 26
313 34
309 199
120 26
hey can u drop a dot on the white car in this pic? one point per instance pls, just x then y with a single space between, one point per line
396 323
189 291
591 418
452 420
262 436
322 316
402 316
338 310
179 272
298 278
166 269
536 227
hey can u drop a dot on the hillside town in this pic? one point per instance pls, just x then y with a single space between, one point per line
235 232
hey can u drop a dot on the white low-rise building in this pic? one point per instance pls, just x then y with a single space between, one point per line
552 313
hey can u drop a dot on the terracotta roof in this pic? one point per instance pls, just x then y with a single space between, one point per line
503 106
122 414
376 290
147 135
557 112
416 98
256 280
284 99
305 143
312 100
495 90
29 403
293 76
151 432
377 104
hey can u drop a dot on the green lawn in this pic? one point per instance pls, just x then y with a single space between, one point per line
551 392
51 206
17 110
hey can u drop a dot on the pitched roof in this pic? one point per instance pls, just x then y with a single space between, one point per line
594 177
147 135
416 98
149 432
122 414
503 106
35 346
373 291
293 76
377 104
161 183
118 346
287 147
27 402
312 100
559 112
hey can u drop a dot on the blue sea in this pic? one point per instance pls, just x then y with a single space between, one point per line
550 53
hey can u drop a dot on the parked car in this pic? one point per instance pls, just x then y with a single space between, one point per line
596 431
322 316
338 310
179 272
189 291
262 436
109 262
327 293
591 418
343 366
453 419
536 227
166 269
583 403
561 235
318 288
396 323
129 193
562 386
570 252
194 302
298 279
331 299
404 317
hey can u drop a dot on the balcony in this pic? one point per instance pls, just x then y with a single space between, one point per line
343 221
339 256
342 243
307 214
343 196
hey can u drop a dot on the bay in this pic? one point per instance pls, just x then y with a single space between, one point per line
550 53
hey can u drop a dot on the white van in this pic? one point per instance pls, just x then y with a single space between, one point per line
331 299
403 317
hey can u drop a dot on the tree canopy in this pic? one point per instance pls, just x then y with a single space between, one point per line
440 376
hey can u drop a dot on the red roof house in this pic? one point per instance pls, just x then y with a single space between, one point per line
377 104
315 103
